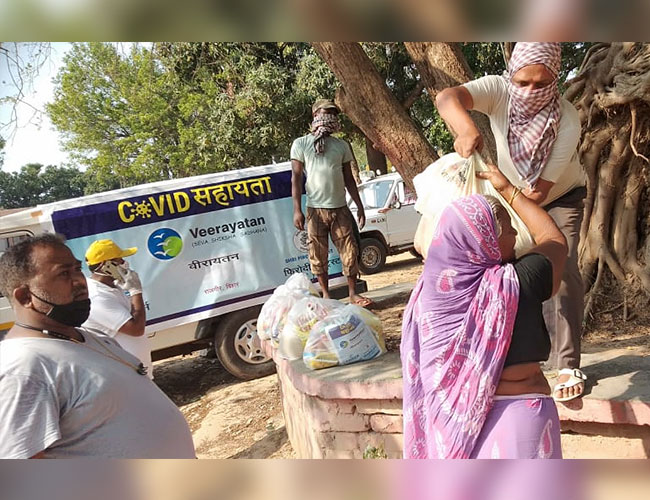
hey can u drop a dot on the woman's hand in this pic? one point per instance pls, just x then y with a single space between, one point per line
498 180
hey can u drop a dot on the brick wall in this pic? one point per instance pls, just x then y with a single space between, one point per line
321 425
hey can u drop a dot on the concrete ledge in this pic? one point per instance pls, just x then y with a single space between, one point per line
617 392
618 386
378 379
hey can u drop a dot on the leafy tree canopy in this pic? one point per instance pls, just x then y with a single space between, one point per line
178 109
35 184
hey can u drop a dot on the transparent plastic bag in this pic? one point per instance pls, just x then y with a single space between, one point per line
303 316
348 335
273 315
301 281
452 177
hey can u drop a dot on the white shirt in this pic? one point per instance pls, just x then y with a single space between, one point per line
563 168
110 309
76 400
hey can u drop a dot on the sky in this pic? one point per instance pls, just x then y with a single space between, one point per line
34 140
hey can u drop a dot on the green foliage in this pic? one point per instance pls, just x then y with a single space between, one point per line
572 56
181 109
374 452
178 109
484 58
34 185
116 115
438 134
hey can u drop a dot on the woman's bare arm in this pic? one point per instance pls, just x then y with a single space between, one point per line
549 240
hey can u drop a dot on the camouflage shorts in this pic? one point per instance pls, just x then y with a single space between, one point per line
339 224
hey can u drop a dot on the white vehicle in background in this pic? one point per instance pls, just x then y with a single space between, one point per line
391 220
211 250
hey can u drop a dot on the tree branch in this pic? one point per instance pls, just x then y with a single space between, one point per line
413 95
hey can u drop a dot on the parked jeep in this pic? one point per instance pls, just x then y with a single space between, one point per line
391 220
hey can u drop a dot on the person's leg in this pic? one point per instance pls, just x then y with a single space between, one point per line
318 231
342 231
563 313
520 428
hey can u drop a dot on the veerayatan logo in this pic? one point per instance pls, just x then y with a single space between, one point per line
301 241
164 243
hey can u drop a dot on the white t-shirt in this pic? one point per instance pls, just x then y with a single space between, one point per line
74 400
563 168
110 309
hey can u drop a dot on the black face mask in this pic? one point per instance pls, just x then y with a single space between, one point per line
71 314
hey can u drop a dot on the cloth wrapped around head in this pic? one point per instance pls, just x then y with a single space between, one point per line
323 126
533 115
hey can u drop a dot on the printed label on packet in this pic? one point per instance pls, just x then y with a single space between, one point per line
354 341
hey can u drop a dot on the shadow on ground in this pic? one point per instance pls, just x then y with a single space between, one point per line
266 446
185 379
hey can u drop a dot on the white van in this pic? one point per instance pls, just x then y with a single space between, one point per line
391 220
211 249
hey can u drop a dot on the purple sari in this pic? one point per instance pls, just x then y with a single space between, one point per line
456 333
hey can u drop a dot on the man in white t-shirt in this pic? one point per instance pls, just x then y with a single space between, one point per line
537 134
115 293
64 391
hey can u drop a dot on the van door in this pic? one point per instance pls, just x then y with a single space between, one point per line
402 219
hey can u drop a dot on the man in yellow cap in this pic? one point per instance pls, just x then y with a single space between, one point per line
115 292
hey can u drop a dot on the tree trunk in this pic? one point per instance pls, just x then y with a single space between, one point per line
376 159
370 104
443 65
612 95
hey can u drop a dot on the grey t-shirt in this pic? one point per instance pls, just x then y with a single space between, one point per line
325 183
72 401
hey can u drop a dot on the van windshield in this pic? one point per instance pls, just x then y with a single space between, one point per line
375 194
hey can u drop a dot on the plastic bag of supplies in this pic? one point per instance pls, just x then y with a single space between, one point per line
346 336
452 177
303 316
273 315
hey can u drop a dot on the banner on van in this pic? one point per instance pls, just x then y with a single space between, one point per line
203 260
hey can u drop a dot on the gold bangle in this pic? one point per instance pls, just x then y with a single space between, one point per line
514 195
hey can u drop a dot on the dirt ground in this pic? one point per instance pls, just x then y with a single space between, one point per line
230 418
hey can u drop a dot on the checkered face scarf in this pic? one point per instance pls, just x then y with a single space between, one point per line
322 126
534 115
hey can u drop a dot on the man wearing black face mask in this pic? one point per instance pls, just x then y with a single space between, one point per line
64 392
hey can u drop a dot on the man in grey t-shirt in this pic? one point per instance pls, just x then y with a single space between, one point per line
327 162
64 391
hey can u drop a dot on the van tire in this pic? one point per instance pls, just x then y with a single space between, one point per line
372 256
232 340
416 254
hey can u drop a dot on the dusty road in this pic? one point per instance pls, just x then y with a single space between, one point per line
230 418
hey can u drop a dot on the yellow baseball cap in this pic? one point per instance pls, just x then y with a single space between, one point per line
103 250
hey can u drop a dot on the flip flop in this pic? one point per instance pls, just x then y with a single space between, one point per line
364 302
576 376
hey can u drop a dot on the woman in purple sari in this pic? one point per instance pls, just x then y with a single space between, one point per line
473 335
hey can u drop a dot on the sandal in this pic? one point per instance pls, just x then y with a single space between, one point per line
364 302
576 376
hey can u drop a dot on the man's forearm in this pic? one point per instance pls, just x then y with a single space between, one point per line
296 191
138 312
454 112
297 199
